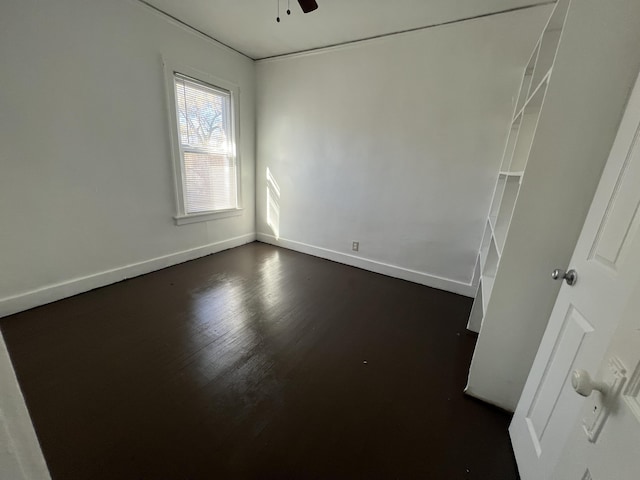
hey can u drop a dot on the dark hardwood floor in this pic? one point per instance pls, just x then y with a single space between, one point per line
257 362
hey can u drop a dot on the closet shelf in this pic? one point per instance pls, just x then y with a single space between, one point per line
518 148
483 258
487 286
508 251
516 120
496 232
529 104
505 173
492 222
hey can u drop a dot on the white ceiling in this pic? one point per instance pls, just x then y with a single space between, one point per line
250 26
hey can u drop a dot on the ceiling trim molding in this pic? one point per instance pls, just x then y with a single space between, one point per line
191 28
334 46
338 46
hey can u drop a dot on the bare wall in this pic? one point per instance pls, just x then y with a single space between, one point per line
86 185
394 143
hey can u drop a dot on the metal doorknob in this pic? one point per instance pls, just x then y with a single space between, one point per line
571 277
584 385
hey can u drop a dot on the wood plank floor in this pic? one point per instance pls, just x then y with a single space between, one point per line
257 362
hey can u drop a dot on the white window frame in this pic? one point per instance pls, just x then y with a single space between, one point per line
170 69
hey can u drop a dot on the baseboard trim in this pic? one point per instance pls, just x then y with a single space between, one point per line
58 291
372 265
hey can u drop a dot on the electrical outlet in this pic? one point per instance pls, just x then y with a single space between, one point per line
355 246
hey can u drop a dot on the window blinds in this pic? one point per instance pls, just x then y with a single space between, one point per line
205 131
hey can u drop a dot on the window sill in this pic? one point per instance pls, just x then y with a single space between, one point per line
206 216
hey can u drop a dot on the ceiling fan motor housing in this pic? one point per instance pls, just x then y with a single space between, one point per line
308 5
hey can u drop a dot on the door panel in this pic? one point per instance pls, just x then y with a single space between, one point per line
620 222
575 328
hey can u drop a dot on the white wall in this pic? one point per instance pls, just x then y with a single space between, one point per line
394 143
86 186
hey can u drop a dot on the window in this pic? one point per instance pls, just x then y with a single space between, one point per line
204 137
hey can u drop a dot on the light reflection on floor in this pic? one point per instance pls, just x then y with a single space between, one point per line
234 321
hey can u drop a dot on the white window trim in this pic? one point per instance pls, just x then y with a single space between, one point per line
170 68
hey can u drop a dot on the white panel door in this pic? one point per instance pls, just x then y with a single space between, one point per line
584 318
614 455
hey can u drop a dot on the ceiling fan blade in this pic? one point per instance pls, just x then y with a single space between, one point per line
308 5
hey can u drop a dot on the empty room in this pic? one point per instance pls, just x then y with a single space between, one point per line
319 239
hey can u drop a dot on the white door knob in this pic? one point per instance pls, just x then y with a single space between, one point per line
582 383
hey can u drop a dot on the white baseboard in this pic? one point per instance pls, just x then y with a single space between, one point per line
58 291
372 265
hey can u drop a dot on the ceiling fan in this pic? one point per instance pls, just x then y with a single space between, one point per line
306 6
